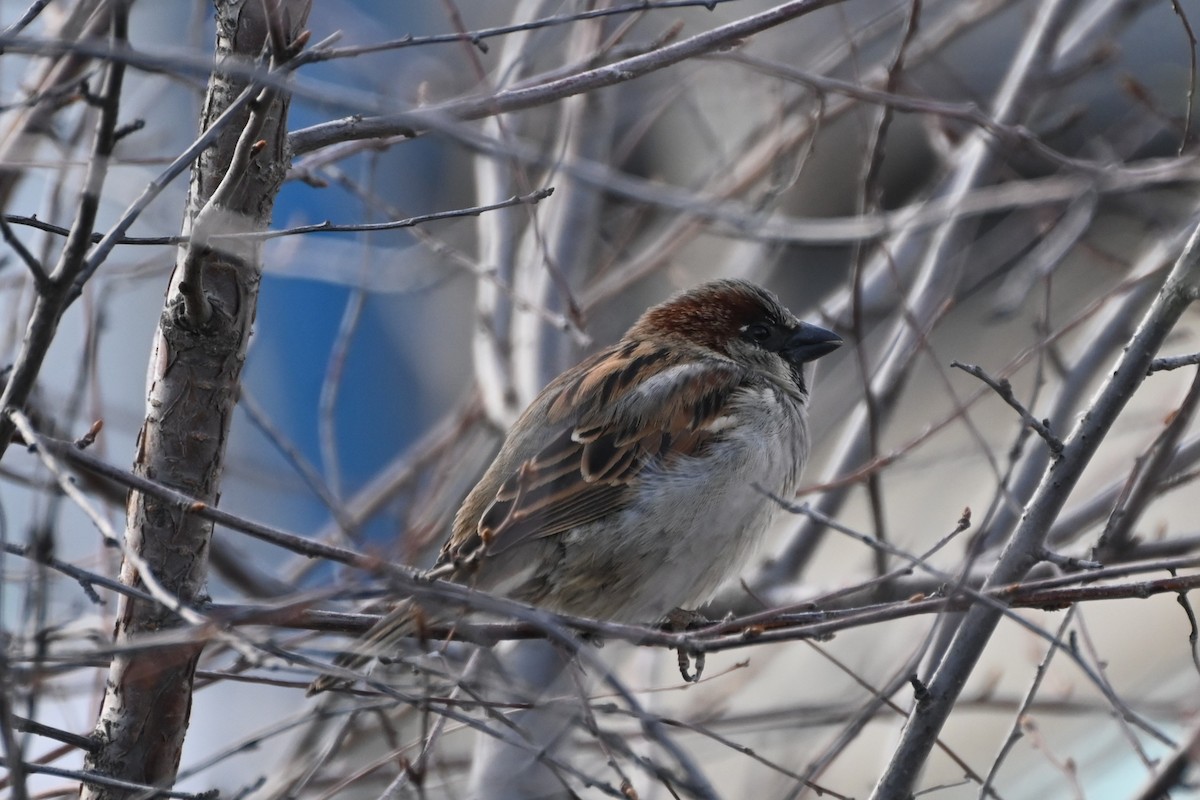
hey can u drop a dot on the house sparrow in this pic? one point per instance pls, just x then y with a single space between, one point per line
639 480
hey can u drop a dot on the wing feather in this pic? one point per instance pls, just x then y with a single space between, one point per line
625 410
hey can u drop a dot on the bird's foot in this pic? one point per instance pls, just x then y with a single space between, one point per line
681 620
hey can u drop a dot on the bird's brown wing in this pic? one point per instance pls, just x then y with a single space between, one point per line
612 428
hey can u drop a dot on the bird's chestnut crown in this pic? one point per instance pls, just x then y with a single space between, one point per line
738 320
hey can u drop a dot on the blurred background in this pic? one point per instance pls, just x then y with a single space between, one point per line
996 183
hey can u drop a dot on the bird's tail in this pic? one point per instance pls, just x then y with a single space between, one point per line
381 640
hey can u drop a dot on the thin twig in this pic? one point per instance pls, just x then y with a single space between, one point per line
1146 478
885 699
869 200
22 22
1119 706
87 579
1004 389
1106 331
1005 134
317 227
478 37
1173 362
191 505
71 265
1191 91
1193 628
1035 686
936 273
1179 290
49 732
96 779
41 280
1069 563
307 471
410 123
530 198
160 594
1172 772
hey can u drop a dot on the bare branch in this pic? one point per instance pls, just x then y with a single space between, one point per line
413 123
1004 389
54 300
1180 289
1173 362
1148 475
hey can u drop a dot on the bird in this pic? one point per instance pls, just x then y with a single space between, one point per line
641 479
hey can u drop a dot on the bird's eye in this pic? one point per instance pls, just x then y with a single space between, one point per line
758 332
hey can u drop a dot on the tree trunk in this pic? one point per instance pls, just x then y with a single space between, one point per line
195 369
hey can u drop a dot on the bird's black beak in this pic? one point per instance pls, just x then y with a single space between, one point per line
809 342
